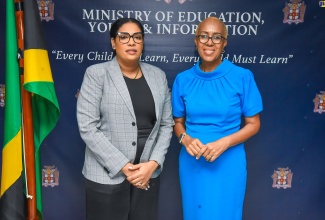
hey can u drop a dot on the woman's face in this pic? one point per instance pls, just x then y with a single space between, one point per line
130 51
209 51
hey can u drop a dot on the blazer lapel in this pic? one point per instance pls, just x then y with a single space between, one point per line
119 82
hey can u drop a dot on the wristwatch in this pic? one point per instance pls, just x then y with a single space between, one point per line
181 138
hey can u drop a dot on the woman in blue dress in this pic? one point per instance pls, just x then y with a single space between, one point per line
209 101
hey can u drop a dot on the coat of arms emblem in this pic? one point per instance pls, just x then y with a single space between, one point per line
282 178
319 102
46 9
2 95
294 12
50 176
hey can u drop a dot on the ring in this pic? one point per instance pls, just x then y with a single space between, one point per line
138 184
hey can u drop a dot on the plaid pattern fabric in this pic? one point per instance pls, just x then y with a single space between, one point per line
106 121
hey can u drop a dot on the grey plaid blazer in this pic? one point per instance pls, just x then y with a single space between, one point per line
107 121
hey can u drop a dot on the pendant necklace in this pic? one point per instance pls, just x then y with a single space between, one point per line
135 74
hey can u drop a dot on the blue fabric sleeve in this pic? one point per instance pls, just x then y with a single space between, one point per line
177 100
251 97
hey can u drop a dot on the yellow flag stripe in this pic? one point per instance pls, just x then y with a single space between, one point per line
11 162
37 66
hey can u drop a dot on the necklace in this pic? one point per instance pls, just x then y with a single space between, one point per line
135 74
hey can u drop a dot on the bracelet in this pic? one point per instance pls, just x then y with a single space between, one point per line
181 138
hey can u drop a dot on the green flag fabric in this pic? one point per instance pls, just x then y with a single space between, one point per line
12 196
38 80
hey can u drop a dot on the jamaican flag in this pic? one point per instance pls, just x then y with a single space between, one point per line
38 80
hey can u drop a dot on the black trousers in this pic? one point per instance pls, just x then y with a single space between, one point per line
122 201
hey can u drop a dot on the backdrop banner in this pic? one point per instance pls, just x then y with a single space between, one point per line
281 42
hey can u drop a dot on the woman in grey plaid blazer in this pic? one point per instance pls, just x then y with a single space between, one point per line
124 117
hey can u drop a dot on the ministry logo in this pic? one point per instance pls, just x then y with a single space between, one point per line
46 9
294 12
50 176
2 95
282 178
319 102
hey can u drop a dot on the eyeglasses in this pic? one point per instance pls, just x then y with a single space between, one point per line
216 39
124 37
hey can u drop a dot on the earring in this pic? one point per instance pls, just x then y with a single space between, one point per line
113 47
222 51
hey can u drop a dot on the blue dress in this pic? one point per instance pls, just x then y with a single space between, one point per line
213 104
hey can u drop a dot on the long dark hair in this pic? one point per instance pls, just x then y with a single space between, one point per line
120 22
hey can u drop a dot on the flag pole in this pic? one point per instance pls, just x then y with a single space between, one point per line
27 123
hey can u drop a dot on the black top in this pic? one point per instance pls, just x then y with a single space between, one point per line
143 103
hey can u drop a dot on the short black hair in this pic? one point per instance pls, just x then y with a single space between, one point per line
120 22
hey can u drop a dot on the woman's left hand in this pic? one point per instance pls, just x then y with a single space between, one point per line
213 150
141 178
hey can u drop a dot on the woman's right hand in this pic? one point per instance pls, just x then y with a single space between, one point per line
130 170
192 145
127 171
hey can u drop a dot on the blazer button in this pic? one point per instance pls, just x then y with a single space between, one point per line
133 143
106 169
133 123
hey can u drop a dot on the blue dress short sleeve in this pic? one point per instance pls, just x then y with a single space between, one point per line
177 100
251 97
